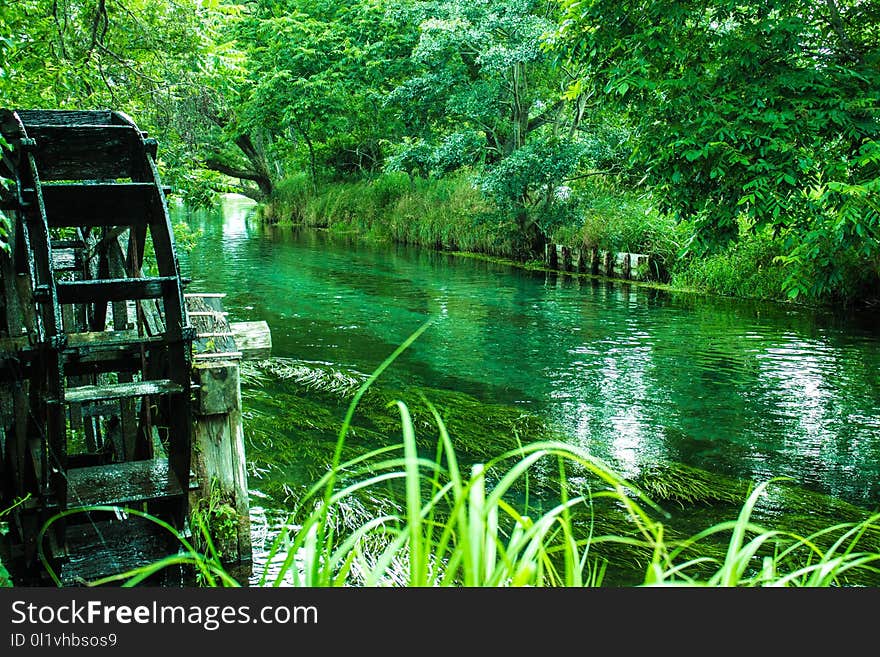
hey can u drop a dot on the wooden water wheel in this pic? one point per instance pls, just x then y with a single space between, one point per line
95 346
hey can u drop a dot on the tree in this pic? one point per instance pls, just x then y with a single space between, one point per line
87 54
757 114
158 61
317 72
484 93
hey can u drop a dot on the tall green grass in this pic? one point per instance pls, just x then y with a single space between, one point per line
446 213
614 218
746 268
478 526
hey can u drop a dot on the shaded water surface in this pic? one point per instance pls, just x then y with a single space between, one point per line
751 390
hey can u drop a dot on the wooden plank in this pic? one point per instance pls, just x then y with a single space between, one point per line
84 152
108 351
108 391
127 430
115 289
117 484
220 355
147 315
68 244
64 117
13 312
112 547
18 442
106 339
252 339
66 260
97 204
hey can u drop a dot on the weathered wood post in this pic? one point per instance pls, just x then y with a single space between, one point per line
566 259
594 260
608 263
551 256
219 461
581 262
626 270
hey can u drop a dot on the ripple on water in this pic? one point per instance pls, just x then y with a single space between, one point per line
758 390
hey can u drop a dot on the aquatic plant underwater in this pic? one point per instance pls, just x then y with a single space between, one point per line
411 512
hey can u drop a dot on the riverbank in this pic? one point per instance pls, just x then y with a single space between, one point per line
691 398
450 214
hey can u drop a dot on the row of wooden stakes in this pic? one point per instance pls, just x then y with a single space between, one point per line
597 262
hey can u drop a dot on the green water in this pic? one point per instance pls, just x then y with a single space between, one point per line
638 376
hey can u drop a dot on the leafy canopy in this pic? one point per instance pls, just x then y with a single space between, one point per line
765 111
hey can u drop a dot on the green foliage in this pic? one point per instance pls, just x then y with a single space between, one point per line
185 237
483 94
447 213
317 73
454 151
747 110
838 255
747 267
156 61
764 113
615 219
217 522
758 556
476 67
87 54
525 188
5 577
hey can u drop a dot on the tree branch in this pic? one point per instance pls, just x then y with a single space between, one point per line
837 25
545 117
264 184
231 171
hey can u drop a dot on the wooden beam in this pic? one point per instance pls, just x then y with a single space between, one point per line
114 289
122 483
84 152
97 204
64 117
252 339
120 390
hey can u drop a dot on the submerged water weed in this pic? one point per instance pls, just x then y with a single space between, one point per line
451 527
444 523
758 556
671 482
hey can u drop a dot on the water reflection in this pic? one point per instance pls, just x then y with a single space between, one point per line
634 374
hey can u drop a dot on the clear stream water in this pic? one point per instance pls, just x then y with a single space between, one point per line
636 375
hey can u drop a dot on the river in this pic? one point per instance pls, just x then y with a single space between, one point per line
635 375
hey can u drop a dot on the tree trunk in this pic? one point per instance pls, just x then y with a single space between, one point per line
256 170
531 238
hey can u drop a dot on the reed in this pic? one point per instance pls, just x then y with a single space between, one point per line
485 524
